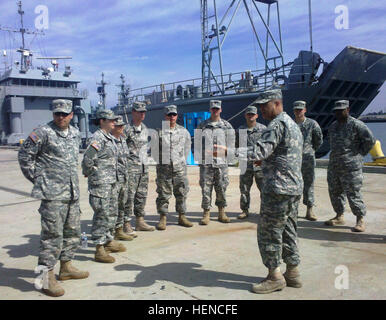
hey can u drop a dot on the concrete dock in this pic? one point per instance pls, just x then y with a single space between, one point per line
218 261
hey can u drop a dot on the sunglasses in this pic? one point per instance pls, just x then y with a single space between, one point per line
171 114
61 114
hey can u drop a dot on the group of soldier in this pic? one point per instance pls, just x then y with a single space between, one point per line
279 157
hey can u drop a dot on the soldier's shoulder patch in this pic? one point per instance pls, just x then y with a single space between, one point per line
95 145
34 137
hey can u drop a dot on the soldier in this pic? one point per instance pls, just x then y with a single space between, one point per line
280 149
123 153
174 148
137 135
49 159
249 170
350 140
313 139
100 165
218 133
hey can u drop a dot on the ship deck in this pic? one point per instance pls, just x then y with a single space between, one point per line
218 261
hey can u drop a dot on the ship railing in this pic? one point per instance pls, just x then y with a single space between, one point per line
234 83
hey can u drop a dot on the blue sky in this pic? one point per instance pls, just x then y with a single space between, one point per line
153 41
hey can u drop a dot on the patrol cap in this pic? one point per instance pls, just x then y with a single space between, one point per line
106 114
139 106
215 104
62 105
299 105
119 121
251 109
170 109
267 96
341 105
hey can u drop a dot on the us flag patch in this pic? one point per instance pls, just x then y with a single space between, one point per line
34 137
95 145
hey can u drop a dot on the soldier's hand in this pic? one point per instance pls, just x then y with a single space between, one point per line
219 151
257 163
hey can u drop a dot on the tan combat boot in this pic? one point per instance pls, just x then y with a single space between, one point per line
360 226
141 225
243 215
68 271
275 281
129 230
222 217
183 221
114 246
310 215
337 220
206 218
162 222
54 289
292 277
102 256
120 235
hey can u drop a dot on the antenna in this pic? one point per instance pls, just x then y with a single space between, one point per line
123 94
25 54
54 63
310 20
101 89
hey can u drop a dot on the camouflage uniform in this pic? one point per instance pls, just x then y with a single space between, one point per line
100 166
248 170
138 173
49 159
214 170
313 139
123 152
280 148
349 142
174 148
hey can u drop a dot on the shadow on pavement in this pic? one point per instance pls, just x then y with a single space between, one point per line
12 277
317 230
183 274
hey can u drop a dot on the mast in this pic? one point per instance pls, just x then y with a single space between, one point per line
101 89
25 54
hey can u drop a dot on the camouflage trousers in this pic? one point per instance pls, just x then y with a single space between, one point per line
122 199
213 177
171 181
277 229
346 183
105 214
60 233
308 173
136 195
246 182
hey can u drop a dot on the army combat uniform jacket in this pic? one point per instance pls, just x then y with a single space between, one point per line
100 163
49 159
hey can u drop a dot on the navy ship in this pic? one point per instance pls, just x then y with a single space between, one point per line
355 74
27 91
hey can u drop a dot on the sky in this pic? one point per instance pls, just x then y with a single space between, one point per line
159 41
